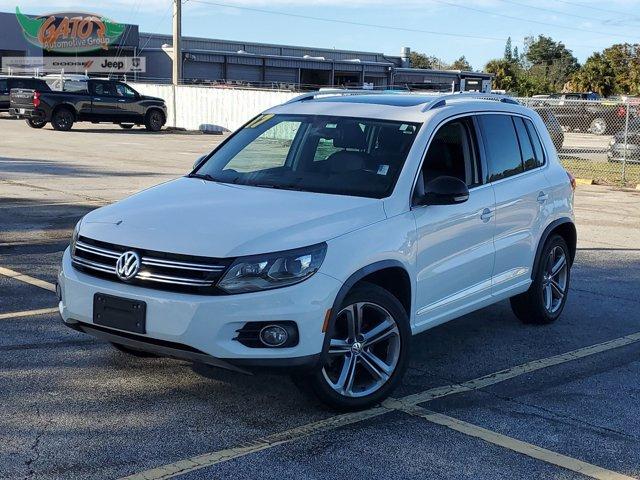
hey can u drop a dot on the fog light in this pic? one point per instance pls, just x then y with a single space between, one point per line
274 336
58 292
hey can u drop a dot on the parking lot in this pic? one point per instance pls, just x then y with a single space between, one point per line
485 396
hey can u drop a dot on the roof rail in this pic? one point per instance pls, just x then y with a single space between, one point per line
441 101
336 92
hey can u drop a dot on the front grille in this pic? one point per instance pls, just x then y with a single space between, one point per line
159 270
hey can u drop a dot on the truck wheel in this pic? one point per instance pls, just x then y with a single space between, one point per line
154 121
547 295
598 126
35 123
126 126
62 119
367 351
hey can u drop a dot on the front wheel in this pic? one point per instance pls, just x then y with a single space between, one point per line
154 121
35 123
547 295
367 351
598 126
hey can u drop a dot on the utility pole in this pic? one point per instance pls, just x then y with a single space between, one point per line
177 42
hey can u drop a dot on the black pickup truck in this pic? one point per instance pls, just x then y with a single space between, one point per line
9 83
101 101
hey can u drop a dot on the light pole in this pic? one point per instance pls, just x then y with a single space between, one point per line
177 42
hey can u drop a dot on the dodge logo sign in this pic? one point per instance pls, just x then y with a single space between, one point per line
128 265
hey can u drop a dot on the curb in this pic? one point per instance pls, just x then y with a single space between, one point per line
584 181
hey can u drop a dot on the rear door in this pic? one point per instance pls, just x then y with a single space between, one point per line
4 94
104 102
515 169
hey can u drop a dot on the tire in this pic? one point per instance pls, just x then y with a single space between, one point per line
534 306
35 123
126 126
62 119
133 352
382 316
598 126
154 120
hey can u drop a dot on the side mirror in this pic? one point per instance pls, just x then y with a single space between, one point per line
199 161
444 190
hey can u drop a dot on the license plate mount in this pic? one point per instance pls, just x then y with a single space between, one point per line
120 313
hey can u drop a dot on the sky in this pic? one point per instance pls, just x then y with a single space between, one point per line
447 29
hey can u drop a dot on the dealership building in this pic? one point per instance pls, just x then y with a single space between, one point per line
207 60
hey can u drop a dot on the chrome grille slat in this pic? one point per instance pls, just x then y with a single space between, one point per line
95 265
175 280
97 250
158 262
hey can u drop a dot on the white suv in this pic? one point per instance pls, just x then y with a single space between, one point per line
325 233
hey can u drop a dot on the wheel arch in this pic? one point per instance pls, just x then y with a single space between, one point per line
567 230
382 273
65 106
155 107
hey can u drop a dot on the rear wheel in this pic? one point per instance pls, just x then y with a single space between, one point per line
133 352
126 126
62 119
547 295
154 121
33 123
367 351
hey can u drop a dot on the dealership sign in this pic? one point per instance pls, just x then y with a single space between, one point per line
119 65
70 32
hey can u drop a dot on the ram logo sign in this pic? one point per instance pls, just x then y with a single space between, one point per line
70 32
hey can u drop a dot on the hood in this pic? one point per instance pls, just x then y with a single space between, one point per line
197 217
148 97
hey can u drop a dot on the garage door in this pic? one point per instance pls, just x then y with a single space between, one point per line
203 70
275 74
247 73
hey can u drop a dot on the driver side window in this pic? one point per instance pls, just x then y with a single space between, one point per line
452 152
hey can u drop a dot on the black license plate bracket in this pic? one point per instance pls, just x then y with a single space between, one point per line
120 313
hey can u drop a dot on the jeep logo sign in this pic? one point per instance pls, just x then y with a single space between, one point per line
70 32
120 65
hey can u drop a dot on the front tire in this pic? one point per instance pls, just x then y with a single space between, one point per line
598 126
367 351
154 121
62 119
35 123
544 301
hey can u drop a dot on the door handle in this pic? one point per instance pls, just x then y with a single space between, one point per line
542 197
486 215
96 98
122 101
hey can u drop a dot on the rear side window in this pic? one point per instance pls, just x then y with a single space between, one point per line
535 141
4 86
529 159
501 143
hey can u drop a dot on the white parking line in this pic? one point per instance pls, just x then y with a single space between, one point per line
402 404
27 279
27 313
515 445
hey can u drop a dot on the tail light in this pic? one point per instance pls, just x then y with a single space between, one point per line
36 99
621 111
572 180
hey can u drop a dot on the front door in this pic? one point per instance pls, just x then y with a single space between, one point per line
104 102
455 251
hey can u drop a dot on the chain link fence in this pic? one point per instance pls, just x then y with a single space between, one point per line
595 139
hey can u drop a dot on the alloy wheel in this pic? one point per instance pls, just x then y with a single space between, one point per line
554 280
363 351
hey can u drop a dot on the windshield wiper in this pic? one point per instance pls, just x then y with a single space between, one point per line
203 176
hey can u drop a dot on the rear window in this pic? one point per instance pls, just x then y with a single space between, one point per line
501 142
529 159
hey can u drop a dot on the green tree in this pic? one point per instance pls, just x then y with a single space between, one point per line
549 62
508 51
461 64
596 75
507 74
421 60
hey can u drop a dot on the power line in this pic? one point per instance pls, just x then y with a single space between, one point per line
348 22
520 19
583 5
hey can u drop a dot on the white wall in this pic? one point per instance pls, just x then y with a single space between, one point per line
214 109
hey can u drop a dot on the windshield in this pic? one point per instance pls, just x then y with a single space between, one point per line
315 153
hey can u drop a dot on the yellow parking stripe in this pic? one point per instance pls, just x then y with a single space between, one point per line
515 445
405 403
27 313
27 279
209 459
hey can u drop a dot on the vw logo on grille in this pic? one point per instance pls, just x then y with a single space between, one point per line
128 265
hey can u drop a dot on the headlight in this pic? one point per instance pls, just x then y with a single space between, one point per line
74 237
273 270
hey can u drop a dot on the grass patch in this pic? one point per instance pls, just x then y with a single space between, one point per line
602 172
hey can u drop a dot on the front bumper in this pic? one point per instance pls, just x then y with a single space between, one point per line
202 328
617 152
